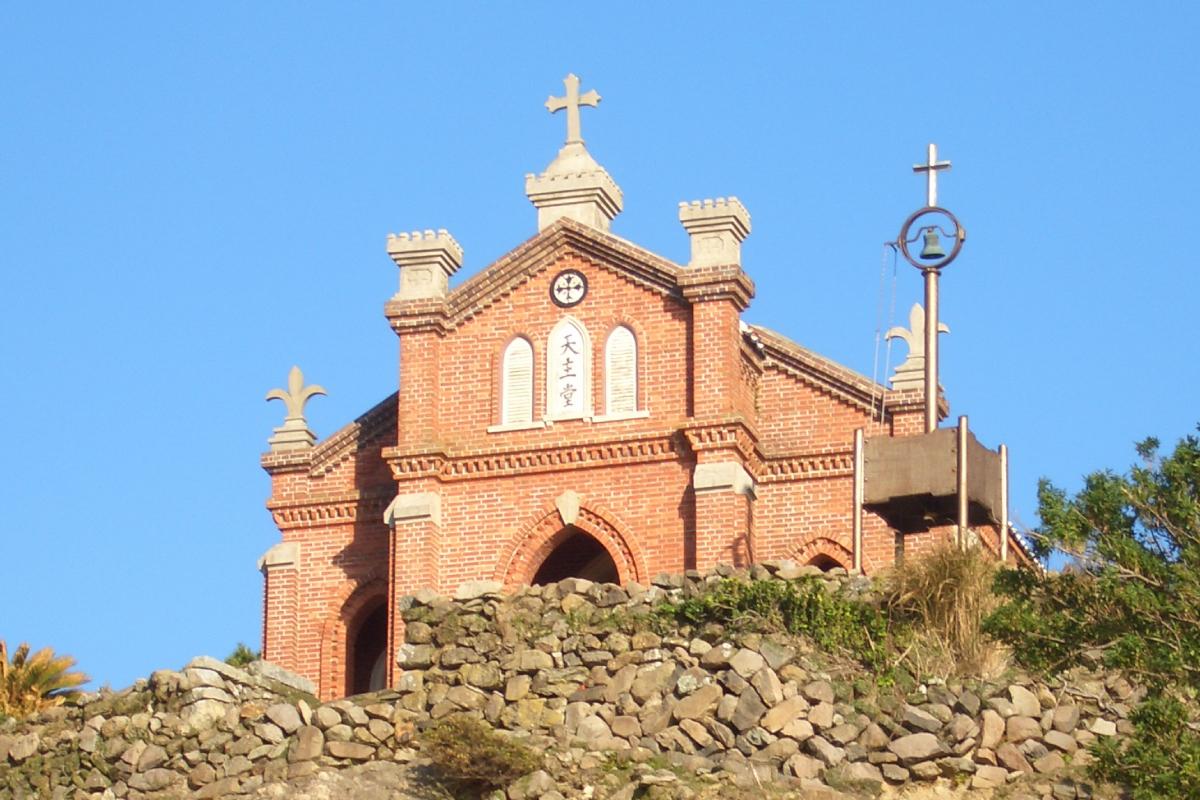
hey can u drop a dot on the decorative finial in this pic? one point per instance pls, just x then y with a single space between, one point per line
910 374
571 102
574 185
931 167
716 228
294 434
426 260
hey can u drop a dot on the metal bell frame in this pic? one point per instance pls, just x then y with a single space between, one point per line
902 242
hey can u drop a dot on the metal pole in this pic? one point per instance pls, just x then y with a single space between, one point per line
962 482
858 498
1003 504
931 350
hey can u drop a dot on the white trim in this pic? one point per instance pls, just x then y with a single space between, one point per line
722 476
622 415
584 410
517 426
281 554
414 507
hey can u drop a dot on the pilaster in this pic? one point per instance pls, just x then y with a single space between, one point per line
278 566
717 295
724 489
418 397
724 514
414 551
719 291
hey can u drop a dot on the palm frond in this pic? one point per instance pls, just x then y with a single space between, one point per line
30 683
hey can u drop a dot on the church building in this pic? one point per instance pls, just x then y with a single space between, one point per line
582 407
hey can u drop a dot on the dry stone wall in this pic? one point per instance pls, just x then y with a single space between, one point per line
570 669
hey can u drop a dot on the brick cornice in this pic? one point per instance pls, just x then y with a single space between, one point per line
635 449
286 461
913 402
733 433
724 282
408 464
780 468
332 509
419 314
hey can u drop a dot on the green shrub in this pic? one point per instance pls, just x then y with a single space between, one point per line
242 655
1161 759
802 607
1131 596
470 754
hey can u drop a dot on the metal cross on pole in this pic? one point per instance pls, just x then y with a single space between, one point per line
571 102
931 168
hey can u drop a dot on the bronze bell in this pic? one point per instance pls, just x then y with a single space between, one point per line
933 246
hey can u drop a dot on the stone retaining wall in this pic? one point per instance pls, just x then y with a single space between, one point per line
566 667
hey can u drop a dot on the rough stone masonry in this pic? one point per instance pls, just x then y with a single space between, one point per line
547 666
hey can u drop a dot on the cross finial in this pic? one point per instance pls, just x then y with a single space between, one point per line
571 102
931 168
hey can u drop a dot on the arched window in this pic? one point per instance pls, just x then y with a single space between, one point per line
516 396
568 366
620 372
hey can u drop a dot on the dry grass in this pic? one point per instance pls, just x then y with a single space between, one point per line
945 596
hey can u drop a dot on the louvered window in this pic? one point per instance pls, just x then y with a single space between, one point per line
620 372
516 402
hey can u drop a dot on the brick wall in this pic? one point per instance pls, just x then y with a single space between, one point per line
710 393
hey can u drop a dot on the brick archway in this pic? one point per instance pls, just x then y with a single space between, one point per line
529 548
349 603
822 550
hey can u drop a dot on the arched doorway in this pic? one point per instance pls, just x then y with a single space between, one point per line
824 562
366 648
577 555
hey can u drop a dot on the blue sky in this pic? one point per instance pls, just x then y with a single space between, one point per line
193 197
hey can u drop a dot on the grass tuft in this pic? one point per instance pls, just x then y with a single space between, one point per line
943 598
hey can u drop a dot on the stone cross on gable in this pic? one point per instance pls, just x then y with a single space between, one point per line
571 102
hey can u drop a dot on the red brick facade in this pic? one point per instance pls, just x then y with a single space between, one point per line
741 450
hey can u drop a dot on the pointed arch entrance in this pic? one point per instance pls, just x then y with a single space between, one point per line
354 639
577 555
366 663
593 544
